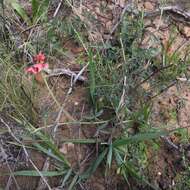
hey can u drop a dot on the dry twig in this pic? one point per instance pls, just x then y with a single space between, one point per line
57 9
67 72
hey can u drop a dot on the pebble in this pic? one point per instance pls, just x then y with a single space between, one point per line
186 30
148 6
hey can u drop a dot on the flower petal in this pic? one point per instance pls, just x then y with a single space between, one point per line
37 68
40 66
31 70
40 58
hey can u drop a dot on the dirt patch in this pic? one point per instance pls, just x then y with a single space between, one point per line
13 158
172 107
171 110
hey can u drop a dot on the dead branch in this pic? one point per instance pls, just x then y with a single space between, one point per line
67 72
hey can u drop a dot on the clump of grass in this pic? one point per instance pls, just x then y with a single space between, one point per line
182 180
39 11
117 72
16 95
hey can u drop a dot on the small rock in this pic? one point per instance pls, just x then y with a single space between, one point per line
159 173
145 86
70 146
76 50
76 103
187 31
63 149
148 6
188 154
66 147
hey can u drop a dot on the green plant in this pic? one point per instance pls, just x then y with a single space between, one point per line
116 75
16 93
39 10
182 180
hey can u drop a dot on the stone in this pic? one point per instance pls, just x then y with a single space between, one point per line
187 31
148 6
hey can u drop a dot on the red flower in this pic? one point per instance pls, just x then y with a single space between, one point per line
40 58
36 68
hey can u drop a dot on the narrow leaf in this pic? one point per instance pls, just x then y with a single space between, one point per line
98 160
35 6
109 156
69 173
80 141
94 165
73 182
139 137
34 173
52 154
20 11
92 77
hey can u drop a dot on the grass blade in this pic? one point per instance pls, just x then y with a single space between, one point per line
20 11
35 173
54 153
92 76
40 10
139 137
109 156
73 182
98 160
35 6
95 165
80 141
69 173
